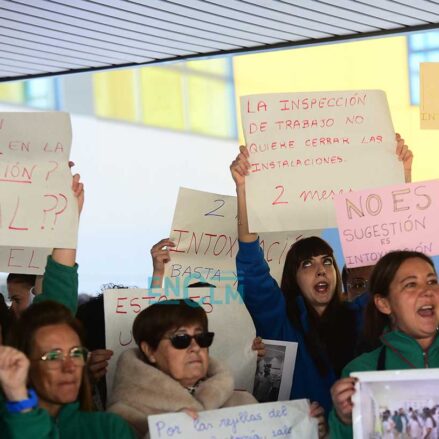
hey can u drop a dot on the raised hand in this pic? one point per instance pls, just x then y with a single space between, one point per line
240 166
160 257
405 155
14 367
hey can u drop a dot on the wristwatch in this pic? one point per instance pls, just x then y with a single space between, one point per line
19 406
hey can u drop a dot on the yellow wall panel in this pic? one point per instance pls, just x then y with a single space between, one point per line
12 92
380 63
114 94
161 95
209 106
216 66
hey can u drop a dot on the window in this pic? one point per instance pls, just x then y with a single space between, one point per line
42 93
422 47
195 96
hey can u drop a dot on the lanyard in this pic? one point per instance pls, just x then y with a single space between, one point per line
387 344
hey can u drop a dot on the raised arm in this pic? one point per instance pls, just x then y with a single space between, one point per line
405 155
260 292
160 257
240 169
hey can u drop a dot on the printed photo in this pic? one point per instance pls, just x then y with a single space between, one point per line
274 371
397 405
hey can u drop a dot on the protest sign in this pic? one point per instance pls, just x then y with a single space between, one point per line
275 370
429 95
275 419
25 260
204 230
373 222
228 318
379 396
38 208
307 147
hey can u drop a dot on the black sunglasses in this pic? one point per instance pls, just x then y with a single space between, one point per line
183 341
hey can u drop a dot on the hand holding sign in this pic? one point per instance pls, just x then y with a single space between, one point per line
160 257
405 155
37 204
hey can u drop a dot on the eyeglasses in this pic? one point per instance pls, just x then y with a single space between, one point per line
55 358
358 284
183 341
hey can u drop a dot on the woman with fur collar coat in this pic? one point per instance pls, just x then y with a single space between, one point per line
171 370
141 389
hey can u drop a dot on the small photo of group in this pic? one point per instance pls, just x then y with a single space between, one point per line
397 405
413 423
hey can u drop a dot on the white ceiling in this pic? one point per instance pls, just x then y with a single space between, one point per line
47 37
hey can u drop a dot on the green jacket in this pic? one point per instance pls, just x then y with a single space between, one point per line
71 423
60 284
405 345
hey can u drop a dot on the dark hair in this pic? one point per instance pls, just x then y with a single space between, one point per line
27 279
332 335
22 336
379 284
344 278
6 317
153 322
91 315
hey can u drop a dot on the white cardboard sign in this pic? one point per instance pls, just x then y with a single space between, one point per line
307 147
288 419
38 208
204 230
26 260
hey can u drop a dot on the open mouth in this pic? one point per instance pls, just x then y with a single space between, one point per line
426 311
321 287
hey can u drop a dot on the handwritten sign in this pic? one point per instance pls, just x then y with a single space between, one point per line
305 148
23 259
373 222
228 318
38 208
429 95
289 419
204 230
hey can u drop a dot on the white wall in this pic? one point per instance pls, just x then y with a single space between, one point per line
132 174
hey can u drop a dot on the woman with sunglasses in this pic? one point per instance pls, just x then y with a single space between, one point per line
44 381
171 371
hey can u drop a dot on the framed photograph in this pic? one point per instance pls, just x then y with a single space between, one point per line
396 404
274 371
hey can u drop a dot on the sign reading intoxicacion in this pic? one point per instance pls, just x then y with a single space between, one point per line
373 222
204 230
305 148
38 208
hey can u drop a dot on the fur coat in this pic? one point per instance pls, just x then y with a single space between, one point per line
140 389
